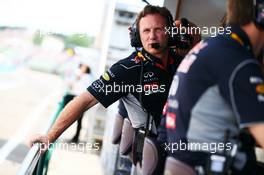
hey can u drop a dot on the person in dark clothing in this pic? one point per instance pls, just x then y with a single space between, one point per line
215 108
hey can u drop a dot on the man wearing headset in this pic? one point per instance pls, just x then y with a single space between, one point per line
216 100
141 80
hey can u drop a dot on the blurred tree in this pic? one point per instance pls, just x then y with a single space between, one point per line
70 41
38 38
78 40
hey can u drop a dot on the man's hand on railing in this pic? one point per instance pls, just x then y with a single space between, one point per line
42 140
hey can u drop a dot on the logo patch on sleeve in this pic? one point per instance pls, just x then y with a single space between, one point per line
260 89
106 76
171 120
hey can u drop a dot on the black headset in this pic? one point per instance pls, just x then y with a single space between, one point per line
134 36
259 13
180 41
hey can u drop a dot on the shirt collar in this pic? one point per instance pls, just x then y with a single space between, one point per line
151 57
240 36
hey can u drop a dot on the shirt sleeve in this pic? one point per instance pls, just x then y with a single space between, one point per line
247 94
110 86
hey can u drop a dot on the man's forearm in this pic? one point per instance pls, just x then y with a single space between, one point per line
72 111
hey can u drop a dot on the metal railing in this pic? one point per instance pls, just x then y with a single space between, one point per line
30 162
35 163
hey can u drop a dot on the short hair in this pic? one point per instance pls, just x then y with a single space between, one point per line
240 12
151 9
87 68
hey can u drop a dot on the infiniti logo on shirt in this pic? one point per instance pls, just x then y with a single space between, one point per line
148 74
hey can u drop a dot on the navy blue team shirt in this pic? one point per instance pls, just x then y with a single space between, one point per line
155 82
218 86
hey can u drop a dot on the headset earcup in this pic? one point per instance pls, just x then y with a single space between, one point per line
259 10
135 37
172 38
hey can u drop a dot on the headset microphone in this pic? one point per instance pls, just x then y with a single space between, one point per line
155 45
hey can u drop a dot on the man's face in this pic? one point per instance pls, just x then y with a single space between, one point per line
152 30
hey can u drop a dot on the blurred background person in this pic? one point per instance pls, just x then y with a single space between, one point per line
76 84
